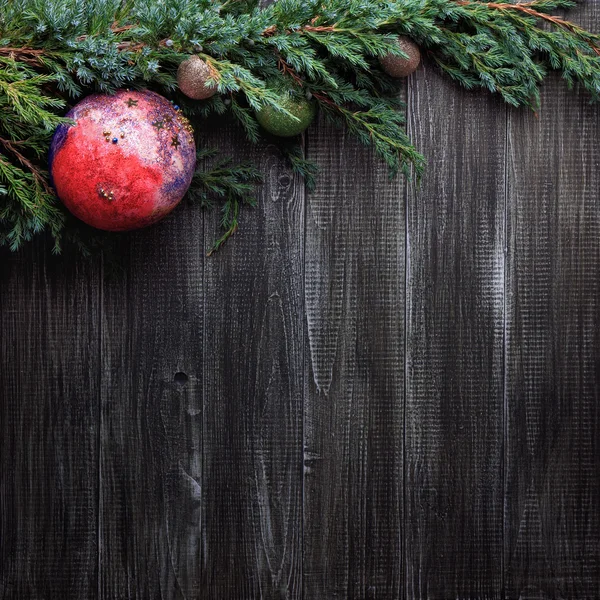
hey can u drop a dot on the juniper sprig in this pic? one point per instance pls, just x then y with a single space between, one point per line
54 52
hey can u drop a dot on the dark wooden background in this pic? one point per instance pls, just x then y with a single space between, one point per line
374 392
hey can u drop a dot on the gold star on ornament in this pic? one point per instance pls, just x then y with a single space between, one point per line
131 102
159 125
175 142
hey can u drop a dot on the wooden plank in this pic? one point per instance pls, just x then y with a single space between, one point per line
354 404
455 296
151 429
553 382
253 381
49 369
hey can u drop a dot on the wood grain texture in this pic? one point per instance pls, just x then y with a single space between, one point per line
454 383
354 396
374 392
151 421
553 379
253 382
49 367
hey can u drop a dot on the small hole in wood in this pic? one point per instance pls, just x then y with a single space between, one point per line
284 180
180 378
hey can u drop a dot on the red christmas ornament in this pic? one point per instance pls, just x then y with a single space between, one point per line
126 162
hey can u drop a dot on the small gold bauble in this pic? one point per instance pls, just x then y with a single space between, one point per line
192 75
398 66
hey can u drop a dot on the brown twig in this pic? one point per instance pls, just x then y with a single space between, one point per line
130 46
272 29
114 28
321 96
28 56
8 50
10 146
319 28
269 31
213 71
526 8
120 29
287 70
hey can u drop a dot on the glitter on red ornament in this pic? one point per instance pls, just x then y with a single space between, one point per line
115 169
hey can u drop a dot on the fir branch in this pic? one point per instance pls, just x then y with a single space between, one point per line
300 165
381 129
528 9
229 222
42 181
54 52
233 185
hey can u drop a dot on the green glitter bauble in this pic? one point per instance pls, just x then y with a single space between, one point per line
282 125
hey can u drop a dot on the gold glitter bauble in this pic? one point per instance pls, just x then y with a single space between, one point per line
397 66
192 75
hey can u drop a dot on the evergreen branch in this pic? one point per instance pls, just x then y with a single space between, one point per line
308 170
229 222
234 185
389 140
35 171
528 9
54 52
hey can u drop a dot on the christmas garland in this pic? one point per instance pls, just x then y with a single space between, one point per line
271 68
